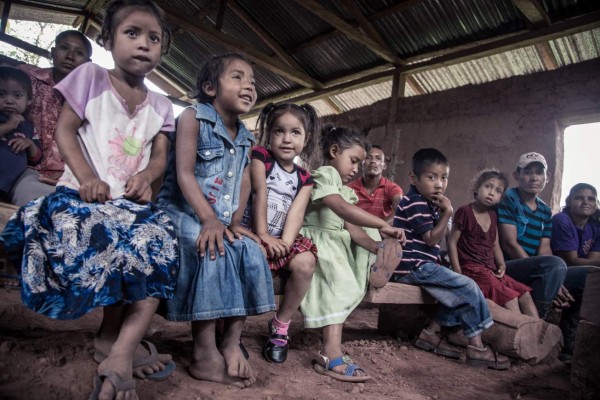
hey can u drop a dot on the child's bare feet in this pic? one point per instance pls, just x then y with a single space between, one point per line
102 348
237 365
210 365
117 374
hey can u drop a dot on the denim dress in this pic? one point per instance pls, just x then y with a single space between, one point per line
238 283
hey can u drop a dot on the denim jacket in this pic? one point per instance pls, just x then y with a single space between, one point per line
220 164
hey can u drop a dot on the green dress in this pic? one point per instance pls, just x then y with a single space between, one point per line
342 270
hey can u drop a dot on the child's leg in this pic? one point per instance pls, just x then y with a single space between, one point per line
208 363
135 321
237 365
302 268
513 305
527 305
332 347
108 333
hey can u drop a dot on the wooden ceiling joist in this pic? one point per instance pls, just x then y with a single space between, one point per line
363 22
234 44
533 12
559 29
349 30
264 35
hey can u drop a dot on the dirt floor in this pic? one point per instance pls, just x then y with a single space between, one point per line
45 359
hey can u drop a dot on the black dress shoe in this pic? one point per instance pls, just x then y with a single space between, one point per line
272 352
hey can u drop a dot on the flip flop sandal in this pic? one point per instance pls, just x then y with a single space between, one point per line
146 361
437 348
119 385
325 366
389 256
495 364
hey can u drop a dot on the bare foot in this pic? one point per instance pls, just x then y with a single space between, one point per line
237 365
209 365
122 367
103 346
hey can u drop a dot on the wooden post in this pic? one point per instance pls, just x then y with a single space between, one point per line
398 88
585 368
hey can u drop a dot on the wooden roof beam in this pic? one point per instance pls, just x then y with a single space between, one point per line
264 36
221 14
234 44
559 29
363 22
533 12
349 30
396 8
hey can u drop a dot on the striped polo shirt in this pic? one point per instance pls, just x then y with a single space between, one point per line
416 216
531 225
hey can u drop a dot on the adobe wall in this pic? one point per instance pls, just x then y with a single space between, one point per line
487 125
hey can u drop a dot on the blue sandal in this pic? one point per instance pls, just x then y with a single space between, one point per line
325 366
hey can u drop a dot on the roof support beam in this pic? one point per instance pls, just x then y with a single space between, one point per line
547 56
13 41
364 24
355 34
396 8
234 44
559 29
5 14
221 14
533 12
264 35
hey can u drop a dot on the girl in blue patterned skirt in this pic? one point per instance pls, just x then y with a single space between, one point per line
97 241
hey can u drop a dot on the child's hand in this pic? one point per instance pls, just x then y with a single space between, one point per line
210 236
14 120
138 189
94 190
563 299
500 271
397 233
238 231
442 202
19 144
276 248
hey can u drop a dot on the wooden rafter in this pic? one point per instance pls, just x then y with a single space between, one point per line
399 7
235 44
221 14
559 29
533 12
536 17
363 22
264 35
332 104
349 30
414 85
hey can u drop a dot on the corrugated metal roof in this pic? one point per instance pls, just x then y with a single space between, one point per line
414 30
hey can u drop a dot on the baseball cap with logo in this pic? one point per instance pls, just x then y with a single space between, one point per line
529 158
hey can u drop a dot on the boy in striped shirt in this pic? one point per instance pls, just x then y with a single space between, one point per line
424 214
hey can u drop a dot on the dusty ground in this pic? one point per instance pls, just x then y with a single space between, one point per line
45 359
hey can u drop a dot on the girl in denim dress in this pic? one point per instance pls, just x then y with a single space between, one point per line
223 273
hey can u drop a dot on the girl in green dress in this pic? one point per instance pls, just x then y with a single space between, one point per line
346 250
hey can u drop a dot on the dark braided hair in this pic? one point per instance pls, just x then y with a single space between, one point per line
342 136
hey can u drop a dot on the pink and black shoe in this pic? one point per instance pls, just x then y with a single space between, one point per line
276 348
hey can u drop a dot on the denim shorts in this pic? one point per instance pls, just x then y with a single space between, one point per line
461 300
236 284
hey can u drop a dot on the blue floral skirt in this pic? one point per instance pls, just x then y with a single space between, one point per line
76 256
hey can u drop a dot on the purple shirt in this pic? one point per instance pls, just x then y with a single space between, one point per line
567 237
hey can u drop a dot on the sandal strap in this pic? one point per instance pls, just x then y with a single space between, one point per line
351 369
278 336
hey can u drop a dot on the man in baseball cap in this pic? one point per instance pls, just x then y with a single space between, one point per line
529 158
525 227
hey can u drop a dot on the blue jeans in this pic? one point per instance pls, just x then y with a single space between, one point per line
544 274
461 300
575 283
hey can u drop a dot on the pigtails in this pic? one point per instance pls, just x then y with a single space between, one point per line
262 134
313 131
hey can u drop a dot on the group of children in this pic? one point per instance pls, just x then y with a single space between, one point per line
99 241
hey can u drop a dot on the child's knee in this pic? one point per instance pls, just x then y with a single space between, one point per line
303 265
